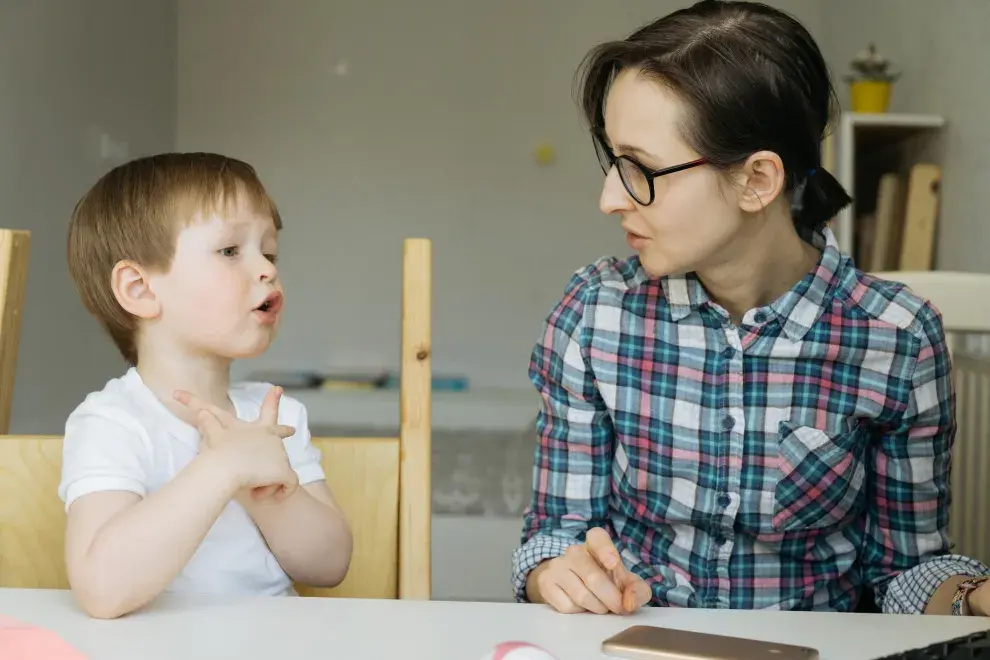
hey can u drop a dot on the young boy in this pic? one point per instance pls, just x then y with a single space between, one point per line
174 479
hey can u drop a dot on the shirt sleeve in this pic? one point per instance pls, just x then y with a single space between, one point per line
572 467
102 451
304 457
906 555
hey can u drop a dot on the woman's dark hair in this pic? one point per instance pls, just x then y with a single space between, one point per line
755 80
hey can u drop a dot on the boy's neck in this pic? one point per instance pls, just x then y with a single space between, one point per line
205 376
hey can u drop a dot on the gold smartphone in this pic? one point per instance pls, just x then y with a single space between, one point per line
653 643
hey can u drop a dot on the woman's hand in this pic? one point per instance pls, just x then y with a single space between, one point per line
588 577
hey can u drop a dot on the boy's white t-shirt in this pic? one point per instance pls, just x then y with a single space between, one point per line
124 438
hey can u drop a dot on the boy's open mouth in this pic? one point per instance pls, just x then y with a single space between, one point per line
272 303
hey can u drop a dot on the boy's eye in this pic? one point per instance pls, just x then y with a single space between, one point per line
271 257
229 251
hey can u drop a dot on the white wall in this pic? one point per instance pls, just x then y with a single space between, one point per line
68 72
943 49
430 133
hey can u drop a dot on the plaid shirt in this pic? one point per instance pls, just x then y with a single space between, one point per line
784 463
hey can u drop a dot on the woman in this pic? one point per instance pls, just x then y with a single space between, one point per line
736 417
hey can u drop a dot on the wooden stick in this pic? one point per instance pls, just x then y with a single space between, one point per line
14 248
414 416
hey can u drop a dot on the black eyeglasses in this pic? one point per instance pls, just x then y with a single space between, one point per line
636 177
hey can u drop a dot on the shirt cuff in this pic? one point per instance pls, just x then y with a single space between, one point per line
532 553
910 591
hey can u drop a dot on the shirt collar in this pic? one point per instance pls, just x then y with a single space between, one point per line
801 307
796 311
684 294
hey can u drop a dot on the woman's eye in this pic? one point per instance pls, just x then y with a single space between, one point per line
271 257
229 252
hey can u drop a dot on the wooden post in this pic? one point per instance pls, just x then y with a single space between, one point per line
14 247
414 422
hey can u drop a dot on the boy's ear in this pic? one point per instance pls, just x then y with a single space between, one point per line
132 289
762 180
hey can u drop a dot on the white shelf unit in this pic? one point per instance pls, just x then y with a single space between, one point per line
862 134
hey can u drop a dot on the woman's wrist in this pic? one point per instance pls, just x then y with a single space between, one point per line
533 594
975 594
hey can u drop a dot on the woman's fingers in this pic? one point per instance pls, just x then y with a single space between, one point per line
636 594
599 545
595 578
580 593
557 598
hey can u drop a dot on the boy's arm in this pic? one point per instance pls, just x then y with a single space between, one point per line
122 550
307 532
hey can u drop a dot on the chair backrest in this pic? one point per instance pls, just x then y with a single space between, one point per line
962 298
14 247
382 484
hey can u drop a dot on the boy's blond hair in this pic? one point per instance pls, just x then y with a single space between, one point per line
135 212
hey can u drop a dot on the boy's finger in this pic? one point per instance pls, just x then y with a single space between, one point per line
197 405
284 431
264 492
207 423
269 407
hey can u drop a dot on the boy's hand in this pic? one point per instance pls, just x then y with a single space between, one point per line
254 449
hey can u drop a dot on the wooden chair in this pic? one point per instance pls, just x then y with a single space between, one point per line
383 484
963 299
14 247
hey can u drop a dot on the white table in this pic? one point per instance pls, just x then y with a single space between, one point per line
331 629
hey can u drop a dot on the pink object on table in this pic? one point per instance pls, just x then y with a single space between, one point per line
518 651
22 641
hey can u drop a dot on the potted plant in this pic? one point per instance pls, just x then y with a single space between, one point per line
871 82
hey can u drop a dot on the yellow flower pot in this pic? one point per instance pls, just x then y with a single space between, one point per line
870 95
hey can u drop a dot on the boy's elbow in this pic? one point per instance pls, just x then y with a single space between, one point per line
102 605
98 599
337 563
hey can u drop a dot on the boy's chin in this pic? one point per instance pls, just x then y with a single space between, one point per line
245 351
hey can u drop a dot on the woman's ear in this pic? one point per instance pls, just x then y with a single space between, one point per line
132 289
762 180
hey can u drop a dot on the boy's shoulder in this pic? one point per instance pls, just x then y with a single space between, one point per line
117 402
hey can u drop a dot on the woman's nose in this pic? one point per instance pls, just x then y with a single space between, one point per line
614 198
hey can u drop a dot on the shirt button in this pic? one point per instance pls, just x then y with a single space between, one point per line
760 317
728 352
728 422
720 540
724 500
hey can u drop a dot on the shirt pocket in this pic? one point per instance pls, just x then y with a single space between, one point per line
822 477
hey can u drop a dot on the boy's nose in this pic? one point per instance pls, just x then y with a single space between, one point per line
268 271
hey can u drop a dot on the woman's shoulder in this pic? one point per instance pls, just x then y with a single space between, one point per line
608 277
892 303
595 295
